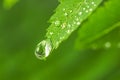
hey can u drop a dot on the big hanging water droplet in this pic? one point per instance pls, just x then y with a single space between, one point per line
43 49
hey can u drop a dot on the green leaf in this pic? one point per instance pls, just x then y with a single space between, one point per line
8 4
68 17
110 40
101 23
98 67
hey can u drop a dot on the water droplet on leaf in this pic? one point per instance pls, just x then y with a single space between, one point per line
65 14
84 8
51 33
107 44
71 11
88 6
43 49
80 13
90 9
57 23
64 9
63 25
93 2
78 23
86 11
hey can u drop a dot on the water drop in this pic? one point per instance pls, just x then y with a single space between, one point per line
84 8
93 2
86 11
78 23
57 43
65 14
107 44
88 6
57 23
51 33
63 25
74 22
80 13
64 9
69 25
95 5
61 38
43 49
90 9
68 31
77 19
71 11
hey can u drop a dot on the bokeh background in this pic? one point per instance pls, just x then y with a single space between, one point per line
24 25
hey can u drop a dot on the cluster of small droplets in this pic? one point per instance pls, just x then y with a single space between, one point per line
93 3
63 25
76 19
107 45
65 13
88 9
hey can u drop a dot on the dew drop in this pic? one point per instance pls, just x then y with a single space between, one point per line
57 23
64 9
90 9
69 25
107 44
77 19
63 25
86 11
95 5
51 33
78 23
43 49
65 14
93 2
88 6
57 43
80 13
68 31
84 8
61 38
74 22
71 11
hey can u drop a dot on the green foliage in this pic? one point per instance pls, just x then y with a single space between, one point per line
100 28
8 4
66 20
69 15
23 26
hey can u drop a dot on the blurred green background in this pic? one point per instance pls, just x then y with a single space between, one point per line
24 25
